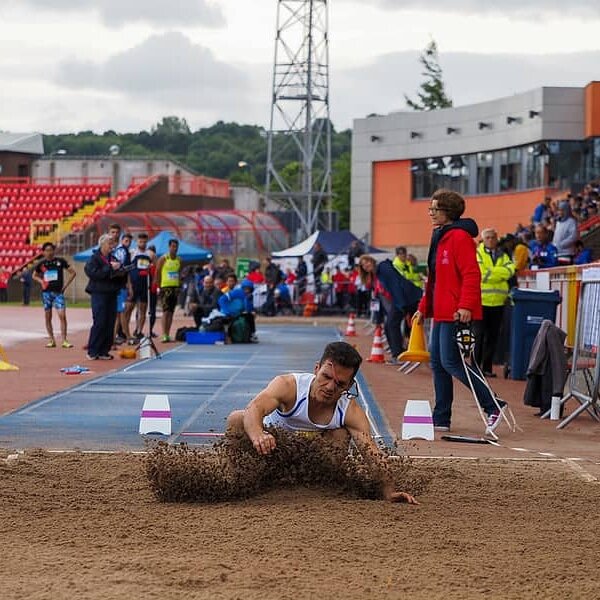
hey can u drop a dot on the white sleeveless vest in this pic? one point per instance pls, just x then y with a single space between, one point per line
297 418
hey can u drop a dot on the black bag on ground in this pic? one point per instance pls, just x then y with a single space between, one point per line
239 331
180 333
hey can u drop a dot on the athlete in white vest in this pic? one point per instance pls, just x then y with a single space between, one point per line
318 402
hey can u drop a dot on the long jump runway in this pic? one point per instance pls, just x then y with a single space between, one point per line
204 384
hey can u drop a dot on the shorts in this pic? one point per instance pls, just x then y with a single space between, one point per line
121 299
140 292
169 298
56 299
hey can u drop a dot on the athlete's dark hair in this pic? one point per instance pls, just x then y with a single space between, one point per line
343 354
48 245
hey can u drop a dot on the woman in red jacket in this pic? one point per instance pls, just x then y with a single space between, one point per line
452 293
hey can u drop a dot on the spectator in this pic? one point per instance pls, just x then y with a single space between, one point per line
496 269
543 254
4 279
413 275
357 249
26 279
203 301
153 294
230 283
224 269
255 276
123 256
239 302
273 277
106 279
583 256
542 211
340 286
566 234
319 260
301 275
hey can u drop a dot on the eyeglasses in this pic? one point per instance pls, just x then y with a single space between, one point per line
432 210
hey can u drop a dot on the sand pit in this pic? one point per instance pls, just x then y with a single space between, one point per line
89 526
232 469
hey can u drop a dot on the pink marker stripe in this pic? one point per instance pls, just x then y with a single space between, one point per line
416 420
156 414
202 434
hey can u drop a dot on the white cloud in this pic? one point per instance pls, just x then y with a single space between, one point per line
530 9
165 67
115 13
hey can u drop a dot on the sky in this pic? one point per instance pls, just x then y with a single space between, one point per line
73 65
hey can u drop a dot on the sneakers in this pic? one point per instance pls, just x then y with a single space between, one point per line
90 357
51 344
105 357
441 427
494 418
120 340
254 338
165 339
66 344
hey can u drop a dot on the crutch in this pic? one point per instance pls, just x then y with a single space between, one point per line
465 341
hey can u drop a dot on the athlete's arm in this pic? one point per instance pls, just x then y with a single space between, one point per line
281 392
358 426
157 274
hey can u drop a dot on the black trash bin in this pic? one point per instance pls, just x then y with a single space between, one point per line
531 307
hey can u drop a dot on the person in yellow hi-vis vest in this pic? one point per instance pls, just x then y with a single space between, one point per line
405 265
496 269
168 278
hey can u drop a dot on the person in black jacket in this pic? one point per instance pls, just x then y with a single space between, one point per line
319 260
203 301
106 279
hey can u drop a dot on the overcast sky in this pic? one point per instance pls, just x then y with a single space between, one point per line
71 65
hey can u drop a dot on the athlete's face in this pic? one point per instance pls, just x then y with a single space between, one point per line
331 381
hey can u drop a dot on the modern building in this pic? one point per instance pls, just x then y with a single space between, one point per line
18 151
504 156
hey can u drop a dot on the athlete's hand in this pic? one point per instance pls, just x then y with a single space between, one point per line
402 497
264 443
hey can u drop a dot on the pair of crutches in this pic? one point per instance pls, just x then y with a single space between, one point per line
465 340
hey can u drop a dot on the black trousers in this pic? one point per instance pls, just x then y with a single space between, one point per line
487 333
104 315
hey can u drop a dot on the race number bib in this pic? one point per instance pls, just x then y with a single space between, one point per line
143 264
50 276
173 275
374 306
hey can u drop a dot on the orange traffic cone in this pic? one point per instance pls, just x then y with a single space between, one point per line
350 328
417 348
377 347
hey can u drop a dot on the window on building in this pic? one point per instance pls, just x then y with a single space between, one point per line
536 166
510 169
484 172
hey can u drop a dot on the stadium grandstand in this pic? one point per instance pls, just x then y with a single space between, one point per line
504 156
70 201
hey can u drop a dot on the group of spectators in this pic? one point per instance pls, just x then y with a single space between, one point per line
552 237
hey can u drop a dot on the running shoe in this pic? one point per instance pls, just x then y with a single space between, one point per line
165 339
66 344
105 357
90 357
494 419
51 344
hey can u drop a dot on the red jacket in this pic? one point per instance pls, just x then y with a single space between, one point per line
457 278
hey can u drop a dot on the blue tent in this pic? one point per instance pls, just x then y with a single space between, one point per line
187 252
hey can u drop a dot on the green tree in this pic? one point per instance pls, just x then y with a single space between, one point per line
340 184
433 94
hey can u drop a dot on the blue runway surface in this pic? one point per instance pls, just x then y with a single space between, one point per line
204 384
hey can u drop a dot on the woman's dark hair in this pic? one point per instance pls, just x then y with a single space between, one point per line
343 354
451 202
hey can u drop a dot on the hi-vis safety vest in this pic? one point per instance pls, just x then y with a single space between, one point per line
494 276
407 270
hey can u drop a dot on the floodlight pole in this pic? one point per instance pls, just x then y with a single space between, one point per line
299 124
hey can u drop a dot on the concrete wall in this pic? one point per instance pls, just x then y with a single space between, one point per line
120 169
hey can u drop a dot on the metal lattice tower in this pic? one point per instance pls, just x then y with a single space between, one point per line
300 124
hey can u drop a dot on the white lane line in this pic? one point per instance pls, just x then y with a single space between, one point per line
579 470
